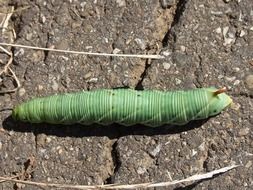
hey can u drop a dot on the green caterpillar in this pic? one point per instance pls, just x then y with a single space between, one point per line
125 107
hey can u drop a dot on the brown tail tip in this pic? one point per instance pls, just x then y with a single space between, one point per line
219 91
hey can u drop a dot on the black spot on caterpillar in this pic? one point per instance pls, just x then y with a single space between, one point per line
125 107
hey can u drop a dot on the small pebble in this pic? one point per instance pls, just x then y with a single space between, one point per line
156 150
225 31
236 69
218 30
220 76
55 85
228 41
82 4
59 149
194 152
166 65
248 164
93 80
242 33
29 36
40 87
202 146
116 50
121 3
106 40
236 82
87 75
141 170
166 53
41 139
21 92
230 78
42 18
167 3
19 52
19 186
88 47
229 38
244 131
141 43
178 81
48 140
183 48
46 157
249 82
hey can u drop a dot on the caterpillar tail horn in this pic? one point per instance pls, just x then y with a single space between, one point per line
219 91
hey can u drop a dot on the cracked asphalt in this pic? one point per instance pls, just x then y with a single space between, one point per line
205 43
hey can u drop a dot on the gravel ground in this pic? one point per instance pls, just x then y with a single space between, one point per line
205 43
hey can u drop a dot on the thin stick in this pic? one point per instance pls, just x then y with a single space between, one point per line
84 53
13 177
4 24
16 176
5 70
16 80
5 51
132 186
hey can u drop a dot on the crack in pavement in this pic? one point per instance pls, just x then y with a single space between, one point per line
139 85
116 163
46 53
179 10
198 70
180 7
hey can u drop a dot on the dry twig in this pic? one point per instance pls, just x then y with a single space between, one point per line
84 53
13 177
6 68
131 186
5 21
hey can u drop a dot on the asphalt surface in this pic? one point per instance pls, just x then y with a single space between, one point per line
205 43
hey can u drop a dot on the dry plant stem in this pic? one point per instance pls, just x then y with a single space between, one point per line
16 80
84 53
5 70
5 51
16 176
1 181
4 23
131 186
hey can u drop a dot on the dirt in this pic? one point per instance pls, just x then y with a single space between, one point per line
205 43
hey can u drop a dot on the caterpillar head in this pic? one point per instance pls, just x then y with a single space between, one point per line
219 100
18 114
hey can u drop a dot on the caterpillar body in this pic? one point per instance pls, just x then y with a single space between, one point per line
125 107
